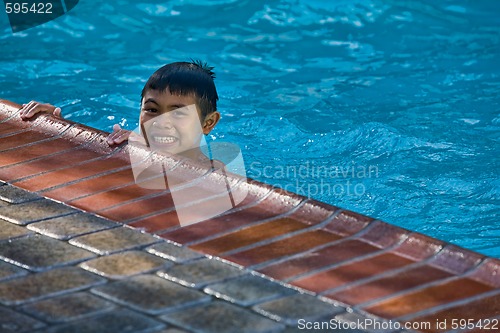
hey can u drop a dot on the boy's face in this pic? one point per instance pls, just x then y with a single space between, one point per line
171 123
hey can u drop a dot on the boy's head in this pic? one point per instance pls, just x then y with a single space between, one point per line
187 78
179 104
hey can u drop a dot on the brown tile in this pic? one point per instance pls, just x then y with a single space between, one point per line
281 248
248 236
383 235
18 140
348 223
427 298
267 208
7 130
388 285
313 212
139 208
488 272
311 261
87 187
16 166
483 308
159 222
63 176
198 208
105 197
27 153
419 247
353 272
456 260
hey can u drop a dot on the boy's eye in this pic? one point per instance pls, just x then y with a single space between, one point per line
178 113
151 110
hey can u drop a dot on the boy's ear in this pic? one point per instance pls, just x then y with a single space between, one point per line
210 121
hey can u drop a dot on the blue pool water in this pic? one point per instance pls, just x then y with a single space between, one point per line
386 107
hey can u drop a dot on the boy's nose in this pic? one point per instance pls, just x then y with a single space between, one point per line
162 122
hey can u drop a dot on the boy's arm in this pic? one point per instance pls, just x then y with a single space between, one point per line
30 109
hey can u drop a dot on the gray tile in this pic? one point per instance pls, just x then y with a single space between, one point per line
118 321
150 294
14 194
38 253
73 225
222 317
29 212
41 285
201 272
15 322
114 240
291 309
248 290
9 230
67 307
9 271
178 254
120 265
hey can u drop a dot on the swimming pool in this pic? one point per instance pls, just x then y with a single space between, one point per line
389 108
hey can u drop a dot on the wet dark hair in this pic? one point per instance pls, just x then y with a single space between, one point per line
187 78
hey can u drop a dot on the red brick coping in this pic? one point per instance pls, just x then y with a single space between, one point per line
353 259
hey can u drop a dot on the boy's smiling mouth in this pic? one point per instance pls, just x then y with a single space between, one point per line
165 139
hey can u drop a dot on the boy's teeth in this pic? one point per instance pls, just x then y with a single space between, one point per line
165 139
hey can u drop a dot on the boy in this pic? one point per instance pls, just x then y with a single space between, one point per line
178 106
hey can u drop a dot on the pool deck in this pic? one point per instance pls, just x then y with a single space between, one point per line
83 248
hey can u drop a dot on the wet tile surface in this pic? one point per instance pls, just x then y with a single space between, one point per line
73 225
174 252
314 260
249 236
67 307
218 317
475 310
9 230
12 194
301 306
390 284
248 290
114 240
427 298
29 212
46 284
281 248
201 272
38 253
151 294
9 271
121 265
15 322
349 273
120 320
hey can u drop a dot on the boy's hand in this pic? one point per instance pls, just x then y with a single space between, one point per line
33 107
118 135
